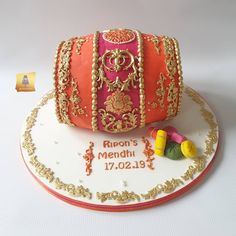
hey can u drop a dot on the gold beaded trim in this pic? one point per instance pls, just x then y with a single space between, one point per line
180 73
141 79
171 68
54 81
63 81
94 81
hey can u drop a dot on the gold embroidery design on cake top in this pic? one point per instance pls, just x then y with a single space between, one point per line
79 42
63 81
76 100
148 152
118 36
141 79
159 95
88 157
116 61
118 103
171 68
94 81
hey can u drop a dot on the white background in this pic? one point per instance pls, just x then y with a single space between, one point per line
30 31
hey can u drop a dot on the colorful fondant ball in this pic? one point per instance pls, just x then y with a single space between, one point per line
188 149
173 151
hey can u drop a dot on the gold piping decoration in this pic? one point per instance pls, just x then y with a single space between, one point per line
123 197
156 43
111 124
55 67
63 81
76 100
141 79
159 95
180 73
79 42
118 103
114 60
94 81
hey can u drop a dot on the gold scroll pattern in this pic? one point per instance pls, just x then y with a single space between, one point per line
75 100
63 81
118 103
159 95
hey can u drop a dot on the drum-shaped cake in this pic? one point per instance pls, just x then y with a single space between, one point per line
117 80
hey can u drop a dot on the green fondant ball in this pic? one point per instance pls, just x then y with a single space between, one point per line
173 151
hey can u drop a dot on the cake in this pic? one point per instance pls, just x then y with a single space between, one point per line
117 80
126 134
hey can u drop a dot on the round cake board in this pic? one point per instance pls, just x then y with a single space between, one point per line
116 172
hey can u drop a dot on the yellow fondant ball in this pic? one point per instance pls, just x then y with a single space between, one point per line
188 149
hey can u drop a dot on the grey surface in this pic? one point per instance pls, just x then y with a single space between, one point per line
30 31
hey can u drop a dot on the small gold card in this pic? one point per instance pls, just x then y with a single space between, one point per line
25 82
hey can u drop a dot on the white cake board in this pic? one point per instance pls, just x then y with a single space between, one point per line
54 152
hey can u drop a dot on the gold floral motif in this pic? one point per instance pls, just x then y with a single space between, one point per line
168 187
141 79
76 100
117 60
88 157
73 190
172 97
148 152
123 197
169 49
127 122
63 81
118 103
156 43
198 165
119 36
159 95
94 81
79 42
40 168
